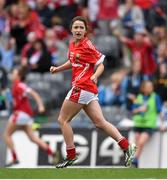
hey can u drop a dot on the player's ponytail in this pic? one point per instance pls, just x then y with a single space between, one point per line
22 71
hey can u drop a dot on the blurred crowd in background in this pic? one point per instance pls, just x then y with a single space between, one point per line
131 33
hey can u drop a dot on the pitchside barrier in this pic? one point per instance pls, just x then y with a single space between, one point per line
93 147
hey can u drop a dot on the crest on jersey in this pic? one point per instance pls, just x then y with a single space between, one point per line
78 56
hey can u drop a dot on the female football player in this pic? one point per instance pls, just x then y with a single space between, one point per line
84 58
21 117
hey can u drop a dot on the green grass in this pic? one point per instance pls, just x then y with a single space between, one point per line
82 173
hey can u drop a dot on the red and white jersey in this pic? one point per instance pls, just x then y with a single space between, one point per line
20 98
84 57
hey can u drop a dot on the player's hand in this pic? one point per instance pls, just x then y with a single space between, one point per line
132 97
94 78
41 109
142 108
53 69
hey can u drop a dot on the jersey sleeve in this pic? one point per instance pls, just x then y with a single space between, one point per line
158 103
92 55
129 43
23 89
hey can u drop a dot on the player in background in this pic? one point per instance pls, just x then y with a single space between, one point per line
83 58
146 108
22 116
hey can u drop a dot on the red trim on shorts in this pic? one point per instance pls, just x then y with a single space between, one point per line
14 117
75 94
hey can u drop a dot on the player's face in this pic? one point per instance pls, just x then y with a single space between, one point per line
15 75
148 88
78 30
138 38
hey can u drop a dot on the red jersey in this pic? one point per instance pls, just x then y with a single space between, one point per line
25 50
83 58
108 9
20 98
144 54
146 4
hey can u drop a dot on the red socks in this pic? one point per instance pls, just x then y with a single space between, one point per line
71 153
14 156
123 143
49 151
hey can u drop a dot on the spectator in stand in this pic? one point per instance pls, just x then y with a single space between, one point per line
3 78
7 52
161 81
61 8
107 15
31 38
159 34
5 94
147 6
56 47
131 16
115 93
92 11
161 53
3 18
133 83
44 12
50 40
26 21
57 25
141 48
39 58
13 12
9 2
31 3
145 113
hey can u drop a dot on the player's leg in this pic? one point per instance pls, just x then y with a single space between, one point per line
10 129
137 137
30 133
68 111
143 139
93 110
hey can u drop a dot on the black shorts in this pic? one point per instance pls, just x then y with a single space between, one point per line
149 131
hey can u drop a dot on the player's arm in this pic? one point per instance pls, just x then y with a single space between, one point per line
98 72
38 100
121 37
67 65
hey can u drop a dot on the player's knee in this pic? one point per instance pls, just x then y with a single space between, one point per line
141 144
62 121
99 124
6 136
33 139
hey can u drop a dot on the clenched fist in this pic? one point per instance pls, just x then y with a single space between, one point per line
53 69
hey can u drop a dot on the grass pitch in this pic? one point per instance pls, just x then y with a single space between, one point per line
83 173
